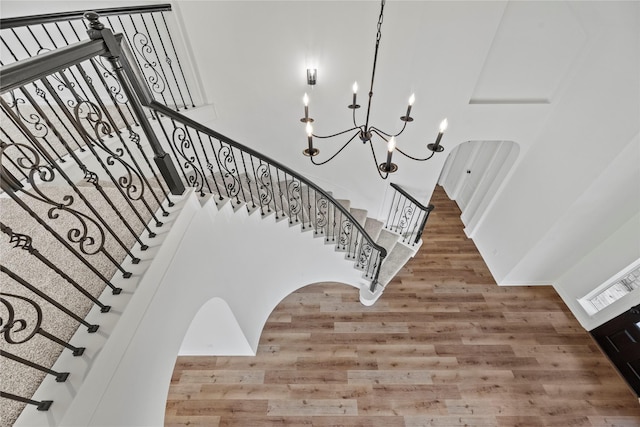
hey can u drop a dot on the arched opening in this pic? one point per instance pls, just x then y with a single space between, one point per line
474 173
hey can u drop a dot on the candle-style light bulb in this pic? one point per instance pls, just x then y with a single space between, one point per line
443 126
355 92
391 145
309 130
407 117
305 99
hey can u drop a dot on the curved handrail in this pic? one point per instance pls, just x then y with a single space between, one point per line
22 21
166 111
411 198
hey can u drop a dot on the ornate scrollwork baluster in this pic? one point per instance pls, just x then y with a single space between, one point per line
295 201
265 193
230 175
345 234
322 210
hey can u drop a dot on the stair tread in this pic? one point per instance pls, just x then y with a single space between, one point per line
387 239
373 227
359 214
395 260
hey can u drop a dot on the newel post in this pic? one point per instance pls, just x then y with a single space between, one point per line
115 56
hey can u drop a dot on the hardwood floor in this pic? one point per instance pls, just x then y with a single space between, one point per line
444 346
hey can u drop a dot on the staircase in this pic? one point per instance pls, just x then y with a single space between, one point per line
268 198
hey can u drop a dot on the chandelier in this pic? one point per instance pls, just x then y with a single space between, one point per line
365 131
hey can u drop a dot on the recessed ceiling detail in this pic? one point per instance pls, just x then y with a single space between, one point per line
534 48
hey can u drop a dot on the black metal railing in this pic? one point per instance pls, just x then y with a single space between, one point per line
407 216
78 192
147 29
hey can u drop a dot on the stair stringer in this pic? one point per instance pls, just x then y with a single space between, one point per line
133 370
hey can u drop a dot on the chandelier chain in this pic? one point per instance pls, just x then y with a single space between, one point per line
375 61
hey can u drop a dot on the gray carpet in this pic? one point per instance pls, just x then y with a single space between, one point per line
15 377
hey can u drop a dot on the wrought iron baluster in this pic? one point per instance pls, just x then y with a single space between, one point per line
238 179
248 179
60 376
159 62
41 405
418 221
280 193
253 171
6 45
13 31
155 82
311 218
168 60
228 172
213 175
173 47
173 149
264 185
197 157
295 192
208 164
302 205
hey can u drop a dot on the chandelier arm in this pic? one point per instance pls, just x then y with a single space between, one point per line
339 133
415 158
375 162
336 153
379 131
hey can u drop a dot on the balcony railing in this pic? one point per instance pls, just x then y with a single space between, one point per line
147 29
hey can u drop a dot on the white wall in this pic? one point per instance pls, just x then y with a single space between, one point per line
578 182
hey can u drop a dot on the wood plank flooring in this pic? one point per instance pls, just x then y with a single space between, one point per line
444 346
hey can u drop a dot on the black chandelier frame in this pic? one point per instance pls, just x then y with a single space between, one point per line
364 131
